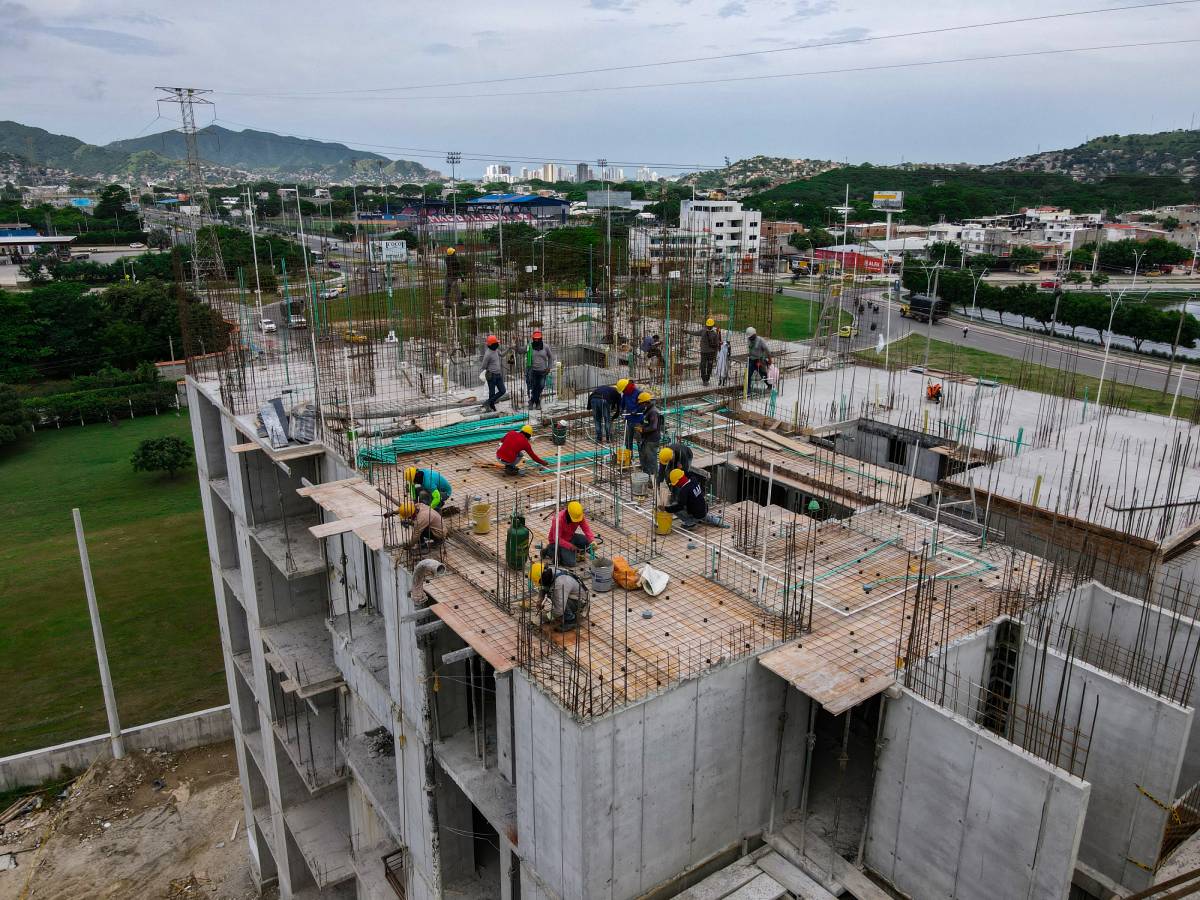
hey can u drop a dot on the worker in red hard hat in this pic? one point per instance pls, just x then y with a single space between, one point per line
538 361
513 446
492 367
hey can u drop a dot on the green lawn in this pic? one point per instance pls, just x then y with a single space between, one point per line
150 565
1030 375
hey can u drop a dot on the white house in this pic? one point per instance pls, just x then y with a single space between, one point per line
734 230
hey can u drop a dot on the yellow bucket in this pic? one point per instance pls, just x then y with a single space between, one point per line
481 517
662 521
624 456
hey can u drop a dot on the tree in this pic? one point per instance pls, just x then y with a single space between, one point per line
1073 278
984 261
1024 256
159 239
1098 279
112 205
1169 223
163 454
948 251
15 421
345 231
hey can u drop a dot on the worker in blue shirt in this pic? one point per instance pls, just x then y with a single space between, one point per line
437 484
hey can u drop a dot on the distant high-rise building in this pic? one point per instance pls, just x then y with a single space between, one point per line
583 172
524 173
495 172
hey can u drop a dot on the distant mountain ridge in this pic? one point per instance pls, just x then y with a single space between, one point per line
759 172
1163 153
159 155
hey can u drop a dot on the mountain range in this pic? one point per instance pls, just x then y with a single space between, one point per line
225 153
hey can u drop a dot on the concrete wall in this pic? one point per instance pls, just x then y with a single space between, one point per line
1137 739
617 807
868 441
179 733
958 813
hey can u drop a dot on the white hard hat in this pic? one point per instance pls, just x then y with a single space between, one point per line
750 332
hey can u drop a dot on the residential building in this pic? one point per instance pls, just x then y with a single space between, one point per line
735 230
680 248
980 237
583 172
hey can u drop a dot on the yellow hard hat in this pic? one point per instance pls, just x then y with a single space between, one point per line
709 323
575 511
675 476
527 429
406 510
410 474
665 455
535 573
449 251
645 397
622 384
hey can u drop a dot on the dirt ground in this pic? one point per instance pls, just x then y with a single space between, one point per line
153 825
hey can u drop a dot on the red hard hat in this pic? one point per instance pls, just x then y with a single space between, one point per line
537 335
492 339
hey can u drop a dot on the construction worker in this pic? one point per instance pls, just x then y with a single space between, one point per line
428 527
677 455
759 355
629 407
493 368
649 431
437 484
570 534
453 279
689 502
538 362
513 446
933 393
567 595
604 402
710 345
652 346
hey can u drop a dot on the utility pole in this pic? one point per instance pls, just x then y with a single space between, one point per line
110 697
453 158
254 252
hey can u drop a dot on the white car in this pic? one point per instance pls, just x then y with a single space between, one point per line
267 326
137 246
297 322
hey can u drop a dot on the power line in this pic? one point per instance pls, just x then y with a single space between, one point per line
847 70
742 54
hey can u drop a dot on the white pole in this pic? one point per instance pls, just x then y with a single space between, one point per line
254 252
1178 385
110 698
1137 261
762 567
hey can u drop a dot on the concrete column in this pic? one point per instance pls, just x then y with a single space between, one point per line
110 697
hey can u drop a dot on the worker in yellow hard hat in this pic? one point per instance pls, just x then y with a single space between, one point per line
569 534
514 445
710 345
689 502
431 480
566 594
428 527
454 274
676 455
605 402
648 427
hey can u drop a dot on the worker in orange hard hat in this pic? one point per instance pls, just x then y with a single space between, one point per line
454 276
539 360
492 367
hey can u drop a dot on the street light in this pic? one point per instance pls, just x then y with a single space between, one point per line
975 290
1137 261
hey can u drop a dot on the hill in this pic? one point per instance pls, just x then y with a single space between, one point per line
934 193
1164 153
263 151
232 153
758 172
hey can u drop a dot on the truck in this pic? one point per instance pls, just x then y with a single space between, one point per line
920 307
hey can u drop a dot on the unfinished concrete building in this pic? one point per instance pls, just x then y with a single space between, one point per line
848 691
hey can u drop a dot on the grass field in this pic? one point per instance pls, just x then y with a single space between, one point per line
150 564
1030 376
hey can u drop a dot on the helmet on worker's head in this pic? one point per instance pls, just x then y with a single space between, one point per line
622 384
537 335
449 251
410 474
675 476
492 340
575 511
645 397
527 430
535 573
709 323
665 455
406 510
750 332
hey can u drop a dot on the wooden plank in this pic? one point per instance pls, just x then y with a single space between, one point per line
836 689
341 526
793 878
764 887
326 485
847 874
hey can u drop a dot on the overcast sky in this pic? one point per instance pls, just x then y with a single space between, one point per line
89 69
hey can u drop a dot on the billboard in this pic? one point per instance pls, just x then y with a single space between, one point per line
389 251
887 200
614 199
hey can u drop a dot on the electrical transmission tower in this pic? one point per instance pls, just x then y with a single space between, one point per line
206 250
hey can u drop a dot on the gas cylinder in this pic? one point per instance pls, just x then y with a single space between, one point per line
516 544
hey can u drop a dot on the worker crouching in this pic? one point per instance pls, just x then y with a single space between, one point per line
567 596
689 503
428 527
570 534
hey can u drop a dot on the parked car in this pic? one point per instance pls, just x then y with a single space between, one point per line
848 331
136 245
1050 284
334 264
297 322
352 336
267 326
